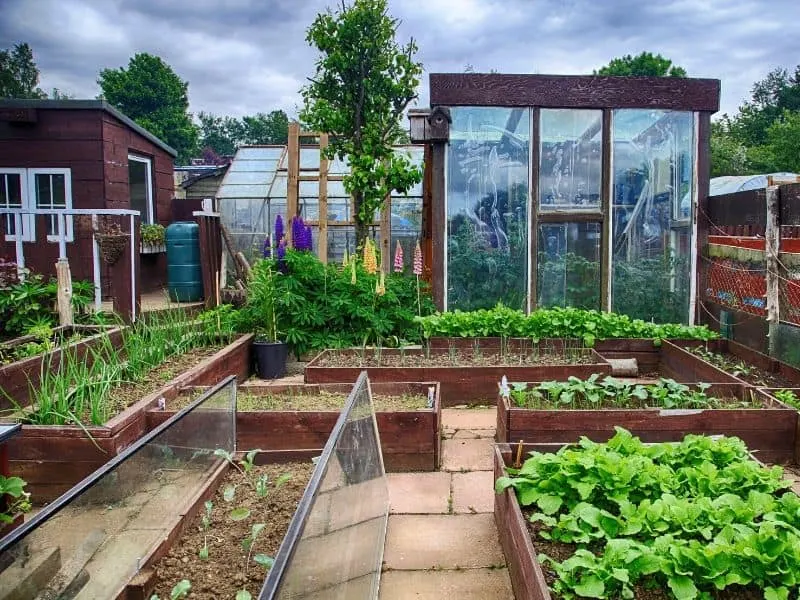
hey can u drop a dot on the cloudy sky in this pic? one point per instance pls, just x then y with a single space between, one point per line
246 56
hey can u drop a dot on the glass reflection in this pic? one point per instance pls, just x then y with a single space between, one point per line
487 192
652 198
570 158
569 265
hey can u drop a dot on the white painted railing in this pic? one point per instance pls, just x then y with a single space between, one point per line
61 214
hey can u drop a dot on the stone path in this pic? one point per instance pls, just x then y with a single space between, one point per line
441 540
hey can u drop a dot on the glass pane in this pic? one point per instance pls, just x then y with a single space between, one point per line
339 239
487 199
59 191
43 197
111 526
137 184
569 265
652 195
344 524
10 197
570 163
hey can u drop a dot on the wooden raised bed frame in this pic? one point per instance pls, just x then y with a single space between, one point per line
18 377
53 458
458 384
771 431
410 440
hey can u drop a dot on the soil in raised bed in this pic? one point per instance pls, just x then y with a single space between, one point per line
646 590
223 573
454 358
12 351
740 368
319 401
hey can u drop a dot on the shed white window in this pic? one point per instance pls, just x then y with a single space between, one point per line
13 194
140 184
52 189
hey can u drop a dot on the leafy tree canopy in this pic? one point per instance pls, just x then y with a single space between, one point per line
153 95
645 64
224 134
363 83
19 75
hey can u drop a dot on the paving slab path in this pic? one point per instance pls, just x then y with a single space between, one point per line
441 541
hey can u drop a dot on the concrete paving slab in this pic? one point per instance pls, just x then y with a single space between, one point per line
467 455
468 584
469 418
442 542
473 492
419 493
466 434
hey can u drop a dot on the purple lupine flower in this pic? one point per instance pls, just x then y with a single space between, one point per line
280 255
309 238
297 232
278 229
267 249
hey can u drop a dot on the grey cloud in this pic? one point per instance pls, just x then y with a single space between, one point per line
243 56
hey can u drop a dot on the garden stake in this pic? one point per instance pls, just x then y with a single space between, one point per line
518 461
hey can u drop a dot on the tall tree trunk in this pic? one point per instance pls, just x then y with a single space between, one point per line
362 228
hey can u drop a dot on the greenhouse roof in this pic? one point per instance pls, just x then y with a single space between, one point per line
260 172
730 184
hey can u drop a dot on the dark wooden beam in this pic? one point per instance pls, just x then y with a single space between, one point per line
533 217
574 91
438 223
606 204
703 209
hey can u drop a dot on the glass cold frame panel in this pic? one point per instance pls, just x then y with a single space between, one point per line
570 159
652 196
569 257
487 216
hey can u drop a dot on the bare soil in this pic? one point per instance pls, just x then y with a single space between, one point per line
454 358
322 401
225 571
648 589
740 368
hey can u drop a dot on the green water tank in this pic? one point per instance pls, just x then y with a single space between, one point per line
184 274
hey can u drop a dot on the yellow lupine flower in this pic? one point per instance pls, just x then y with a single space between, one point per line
370 259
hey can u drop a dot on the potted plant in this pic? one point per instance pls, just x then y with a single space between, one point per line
270 353
153 238
112 241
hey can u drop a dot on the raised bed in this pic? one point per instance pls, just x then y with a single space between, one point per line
459 384
53 458
410 439
19 376
771 430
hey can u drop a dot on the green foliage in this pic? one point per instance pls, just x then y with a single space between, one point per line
152 235
694 517
728 154
32 302
181 590
17 499
594 393
586 325
787 397
363 83
645 64
225 134
153 95
262 299
19 75
655 289
571 280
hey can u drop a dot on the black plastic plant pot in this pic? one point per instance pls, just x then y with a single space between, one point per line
270 359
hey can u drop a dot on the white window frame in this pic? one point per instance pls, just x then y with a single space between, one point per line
150 217
27 220
67 173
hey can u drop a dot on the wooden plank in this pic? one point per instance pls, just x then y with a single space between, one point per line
292 182
606 200
439 224
574 91
773 239
533 217
322 238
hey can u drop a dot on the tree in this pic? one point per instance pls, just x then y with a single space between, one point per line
645 64
221 134
783 142
225 134
153 95
728 155
272 128
363 83
19 75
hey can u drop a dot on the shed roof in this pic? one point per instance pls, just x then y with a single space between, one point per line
730 184
89 105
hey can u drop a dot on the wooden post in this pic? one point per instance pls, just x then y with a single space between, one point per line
64 294
292 177
438 224
322 239
125 281
607 206
773 238
386 235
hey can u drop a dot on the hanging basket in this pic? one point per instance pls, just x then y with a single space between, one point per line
112 246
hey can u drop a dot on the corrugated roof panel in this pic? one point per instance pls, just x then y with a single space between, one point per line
259 153
247 177
243 191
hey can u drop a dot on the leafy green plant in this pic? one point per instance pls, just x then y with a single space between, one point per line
181 590
692 517
152 234
206 524
14 488
586 325
787 397
262 296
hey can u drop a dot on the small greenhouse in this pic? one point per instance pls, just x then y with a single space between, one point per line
256 189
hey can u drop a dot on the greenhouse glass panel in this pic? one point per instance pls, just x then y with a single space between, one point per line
571 147
569 265
652 197
107 524
487 214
